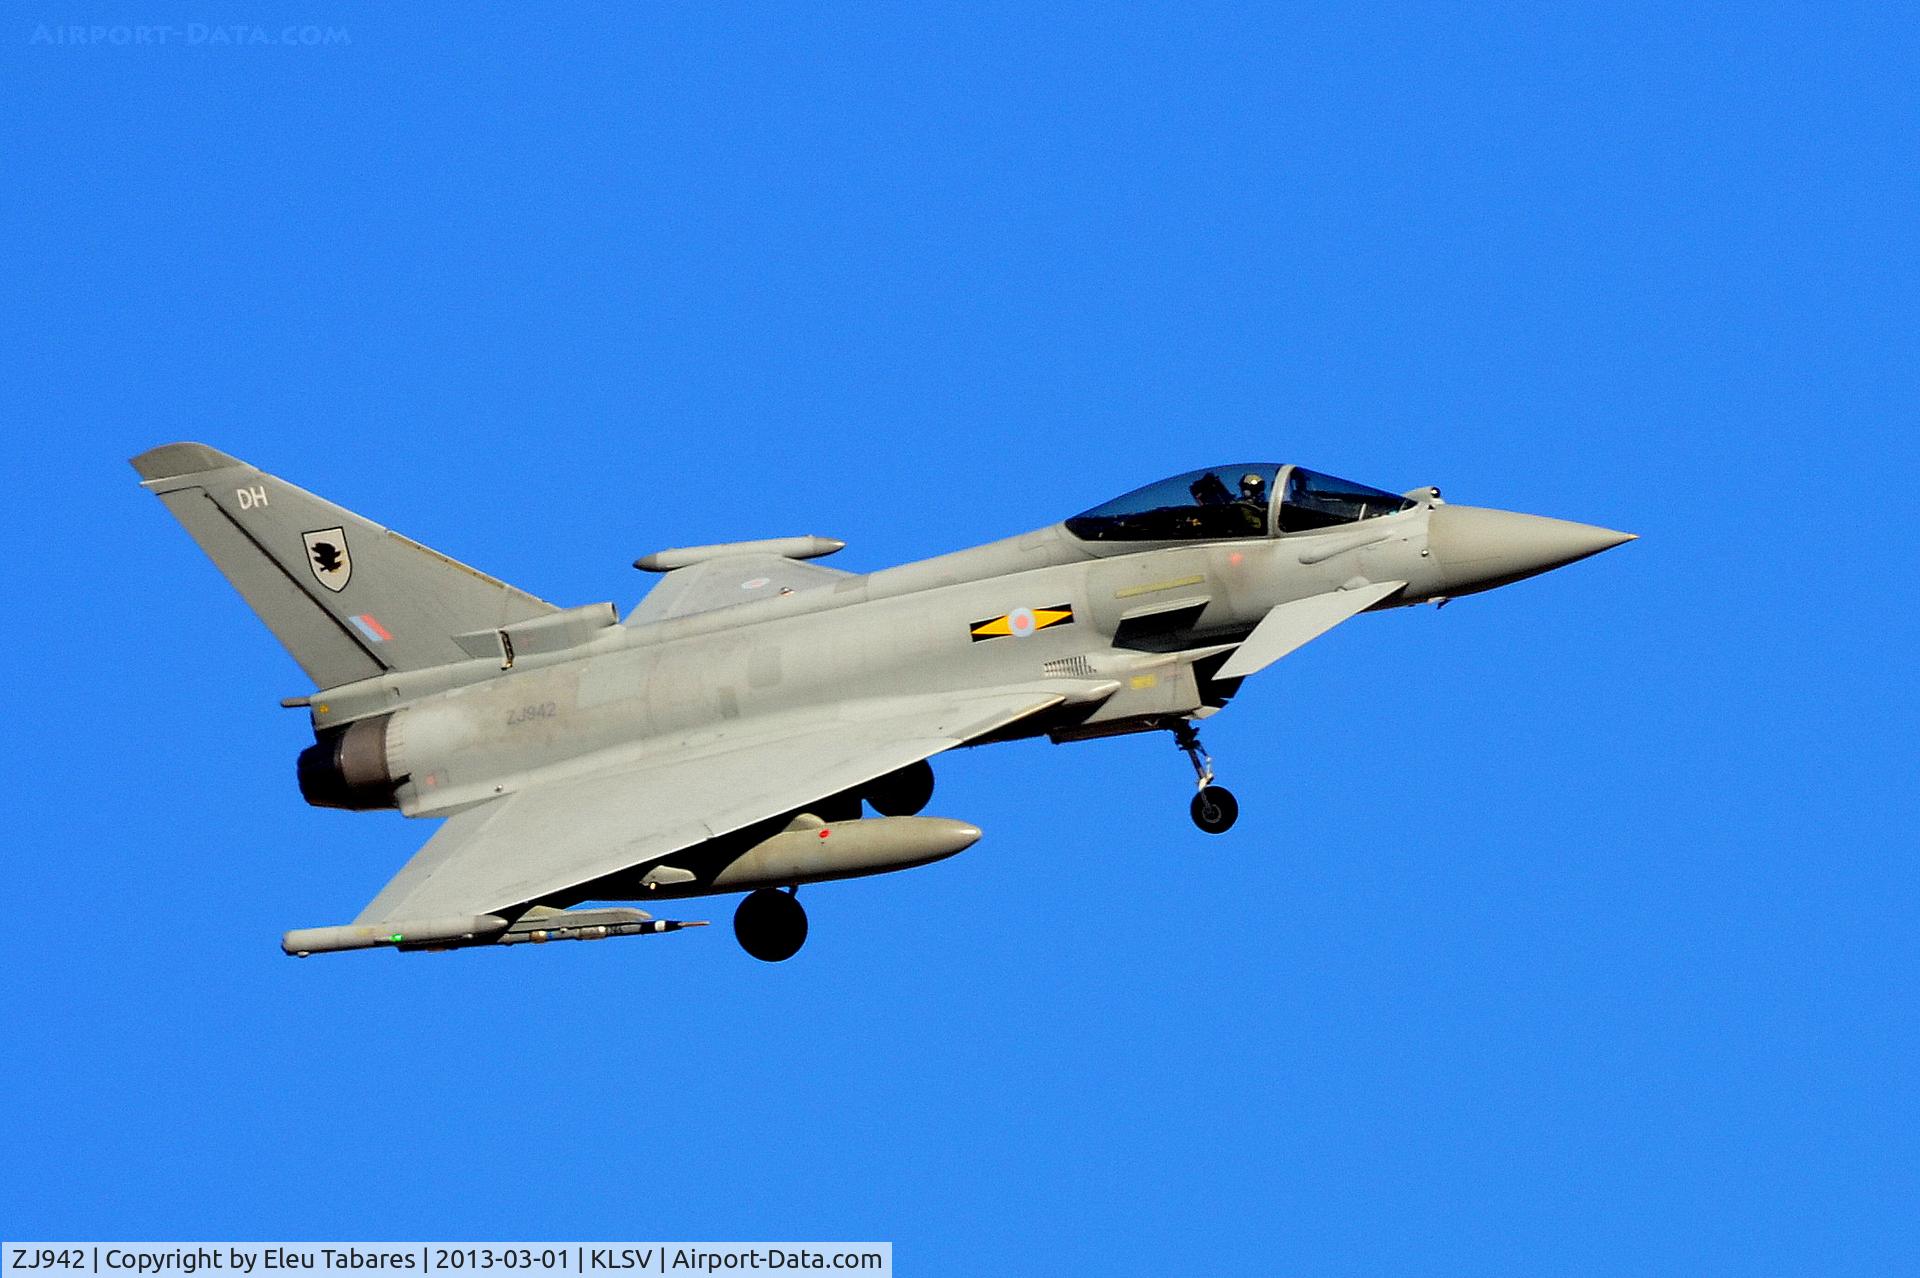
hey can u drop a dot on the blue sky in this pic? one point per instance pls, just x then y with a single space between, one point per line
1568 929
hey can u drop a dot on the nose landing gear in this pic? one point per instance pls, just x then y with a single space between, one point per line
1214 809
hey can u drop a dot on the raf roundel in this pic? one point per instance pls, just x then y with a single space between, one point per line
1021 623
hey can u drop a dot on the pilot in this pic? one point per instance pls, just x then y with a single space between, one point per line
1253 502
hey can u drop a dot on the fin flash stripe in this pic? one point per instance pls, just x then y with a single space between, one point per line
1021 622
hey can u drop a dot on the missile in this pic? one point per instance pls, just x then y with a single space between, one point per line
596 931
537 926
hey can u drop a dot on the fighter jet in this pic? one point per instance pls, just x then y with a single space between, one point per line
732 732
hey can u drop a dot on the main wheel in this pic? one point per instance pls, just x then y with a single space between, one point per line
770 925
1215 809
902 793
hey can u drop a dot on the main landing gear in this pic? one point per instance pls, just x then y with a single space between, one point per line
770 925
1214 809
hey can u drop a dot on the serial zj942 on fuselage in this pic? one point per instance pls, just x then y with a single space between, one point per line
730 733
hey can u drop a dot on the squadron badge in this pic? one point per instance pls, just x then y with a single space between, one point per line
328 558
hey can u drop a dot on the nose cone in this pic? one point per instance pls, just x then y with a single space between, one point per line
1480 549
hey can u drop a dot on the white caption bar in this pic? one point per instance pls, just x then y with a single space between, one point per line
440 1259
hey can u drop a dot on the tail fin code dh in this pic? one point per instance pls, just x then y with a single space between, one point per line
347 598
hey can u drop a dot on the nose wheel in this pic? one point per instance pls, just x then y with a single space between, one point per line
1214 809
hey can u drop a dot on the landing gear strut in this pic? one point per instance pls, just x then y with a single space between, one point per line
770 925
1214 809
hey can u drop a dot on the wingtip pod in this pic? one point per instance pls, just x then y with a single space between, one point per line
458 929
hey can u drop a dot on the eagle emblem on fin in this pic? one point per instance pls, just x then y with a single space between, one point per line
328 558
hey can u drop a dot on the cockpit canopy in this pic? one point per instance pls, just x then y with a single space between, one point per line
1226 502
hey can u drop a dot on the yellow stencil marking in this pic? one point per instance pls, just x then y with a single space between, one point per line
1152 587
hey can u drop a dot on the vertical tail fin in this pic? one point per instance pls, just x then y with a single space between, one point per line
346 597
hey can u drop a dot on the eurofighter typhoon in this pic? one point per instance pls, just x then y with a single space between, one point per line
730 734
